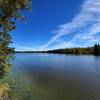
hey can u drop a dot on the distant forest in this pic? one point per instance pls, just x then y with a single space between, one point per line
89 50
95 50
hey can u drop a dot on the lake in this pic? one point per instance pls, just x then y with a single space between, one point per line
56 77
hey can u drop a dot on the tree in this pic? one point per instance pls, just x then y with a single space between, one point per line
10 11
96 49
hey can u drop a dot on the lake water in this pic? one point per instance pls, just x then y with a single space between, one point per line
56 77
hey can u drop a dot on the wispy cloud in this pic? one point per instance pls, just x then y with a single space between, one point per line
88 17
24 48
28 48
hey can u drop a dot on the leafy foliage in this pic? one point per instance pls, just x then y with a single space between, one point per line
10 10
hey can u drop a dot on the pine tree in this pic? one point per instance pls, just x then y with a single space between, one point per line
10 11
96 49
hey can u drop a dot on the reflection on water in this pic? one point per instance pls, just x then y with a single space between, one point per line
56 77
50 77
5 67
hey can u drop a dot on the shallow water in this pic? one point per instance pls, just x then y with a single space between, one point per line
56 77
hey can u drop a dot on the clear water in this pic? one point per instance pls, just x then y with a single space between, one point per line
56 77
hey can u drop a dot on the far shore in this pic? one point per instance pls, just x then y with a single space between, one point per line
72 51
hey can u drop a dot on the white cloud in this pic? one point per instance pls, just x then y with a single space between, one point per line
89 16
23 48
90 35
26 48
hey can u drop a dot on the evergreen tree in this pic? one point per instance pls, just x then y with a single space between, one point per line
96 49
10 10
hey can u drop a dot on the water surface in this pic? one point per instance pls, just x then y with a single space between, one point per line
56 77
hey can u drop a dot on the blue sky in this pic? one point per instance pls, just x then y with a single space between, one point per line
54 24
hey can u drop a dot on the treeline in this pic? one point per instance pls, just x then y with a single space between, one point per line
90 50
30 51
72 51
